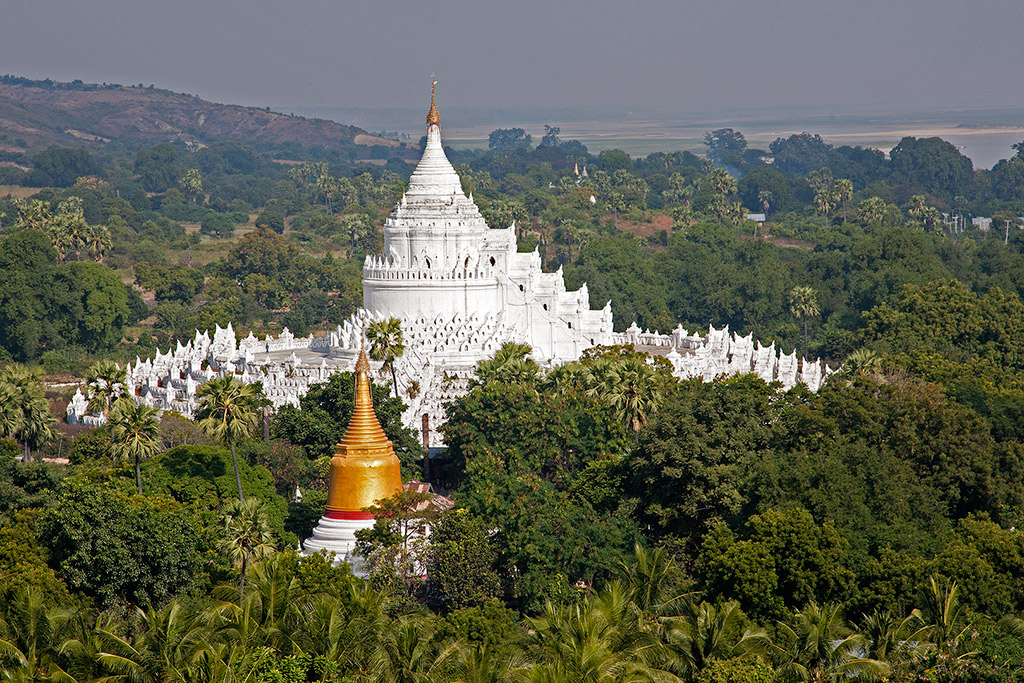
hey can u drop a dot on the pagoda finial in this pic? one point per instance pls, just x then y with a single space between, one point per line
362 364
433 116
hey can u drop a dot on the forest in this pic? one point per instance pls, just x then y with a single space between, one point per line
610 522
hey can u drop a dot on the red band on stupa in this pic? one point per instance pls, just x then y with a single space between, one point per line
346 514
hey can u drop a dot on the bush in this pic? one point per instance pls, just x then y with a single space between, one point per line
271 219
217 225
70 360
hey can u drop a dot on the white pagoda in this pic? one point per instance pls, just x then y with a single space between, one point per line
461 290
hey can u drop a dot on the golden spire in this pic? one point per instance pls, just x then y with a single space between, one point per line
364 435
364 469
433 116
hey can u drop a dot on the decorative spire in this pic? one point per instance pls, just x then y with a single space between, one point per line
364 468
433 117
364 435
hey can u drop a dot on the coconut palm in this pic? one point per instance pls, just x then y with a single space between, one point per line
704 632
227 413
134 434
35 422
247 535
817 647
386 344
487 663
599 640
803 303
893 639
78 658
106 382
167 643
943 614
30 633
346 628
652 580
409 654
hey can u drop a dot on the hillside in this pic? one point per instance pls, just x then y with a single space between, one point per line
37 114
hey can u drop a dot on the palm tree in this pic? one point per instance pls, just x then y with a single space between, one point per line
511 365
825 201
632 389
409 654
134 433
10 411
273 612
227 413
97 241
487 663
943 613
599 640
247 535
168 642
842 190
106 381
78 658
871 210
386 344
34 425
69 226
651 580
862 363
893 639
818 648
29 636
704 632
803 303
345 628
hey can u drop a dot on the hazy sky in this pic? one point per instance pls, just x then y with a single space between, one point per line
668 55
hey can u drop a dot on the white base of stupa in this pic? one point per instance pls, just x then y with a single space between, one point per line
338 536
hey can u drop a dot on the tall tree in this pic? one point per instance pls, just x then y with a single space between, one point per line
191 185
633 389
247 536
227 413
134 433
106 382
386 344
803 303
842 189
34 426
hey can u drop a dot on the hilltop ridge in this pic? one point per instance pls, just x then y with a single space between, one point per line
38 114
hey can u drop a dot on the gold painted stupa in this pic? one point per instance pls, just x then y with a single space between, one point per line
364 468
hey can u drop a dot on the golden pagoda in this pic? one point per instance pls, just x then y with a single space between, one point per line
364 468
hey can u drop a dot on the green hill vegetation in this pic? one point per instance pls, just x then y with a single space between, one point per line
610 522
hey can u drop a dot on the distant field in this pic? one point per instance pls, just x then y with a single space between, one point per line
18 191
